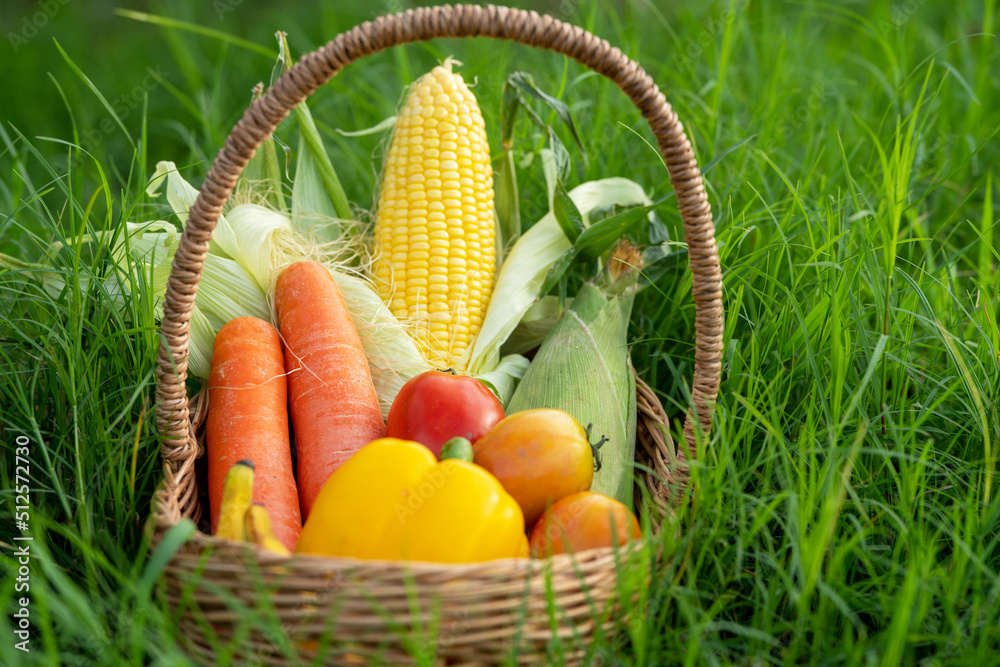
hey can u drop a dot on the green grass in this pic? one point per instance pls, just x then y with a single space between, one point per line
846 503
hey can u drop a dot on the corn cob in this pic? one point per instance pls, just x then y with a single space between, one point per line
586 349
434 227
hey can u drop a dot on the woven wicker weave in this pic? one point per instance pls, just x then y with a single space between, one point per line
483 612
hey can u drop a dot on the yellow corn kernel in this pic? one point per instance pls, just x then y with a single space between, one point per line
434 227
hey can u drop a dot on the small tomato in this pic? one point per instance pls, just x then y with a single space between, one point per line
539 456
583 521
436 406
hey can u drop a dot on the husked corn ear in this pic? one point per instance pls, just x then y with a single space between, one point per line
434 227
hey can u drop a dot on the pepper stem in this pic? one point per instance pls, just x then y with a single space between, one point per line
457 448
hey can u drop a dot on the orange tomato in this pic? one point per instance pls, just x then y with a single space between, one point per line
539 456
583 521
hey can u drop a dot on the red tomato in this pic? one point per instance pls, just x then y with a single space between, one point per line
436 406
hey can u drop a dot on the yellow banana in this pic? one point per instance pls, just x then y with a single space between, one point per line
237 497
260 532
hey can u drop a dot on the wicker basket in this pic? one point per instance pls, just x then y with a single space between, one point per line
473 614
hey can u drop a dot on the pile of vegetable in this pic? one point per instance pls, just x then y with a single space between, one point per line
384 408
451 479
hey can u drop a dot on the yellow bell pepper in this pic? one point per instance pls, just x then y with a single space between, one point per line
392 500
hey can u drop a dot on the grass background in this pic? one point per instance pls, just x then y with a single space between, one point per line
846 506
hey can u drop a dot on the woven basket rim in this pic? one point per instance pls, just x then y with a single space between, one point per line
337 563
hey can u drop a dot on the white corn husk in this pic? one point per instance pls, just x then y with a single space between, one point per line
261 242
393 357
504 378
528 262
238 267
536 324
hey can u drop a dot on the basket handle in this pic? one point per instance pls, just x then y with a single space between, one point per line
179 446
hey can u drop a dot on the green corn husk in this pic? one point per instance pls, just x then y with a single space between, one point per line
260 182
534 326
583 367
319 202
528 263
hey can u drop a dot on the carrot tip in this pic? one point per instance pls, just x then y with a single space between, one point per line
246 462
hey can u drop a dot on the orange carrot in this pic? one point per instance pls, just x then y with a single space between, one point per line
334 407
248 419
